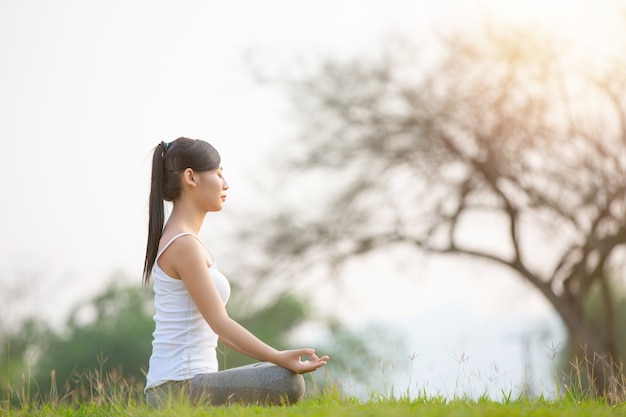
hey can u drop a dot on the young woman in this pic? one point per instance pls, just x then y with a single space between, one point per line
191 293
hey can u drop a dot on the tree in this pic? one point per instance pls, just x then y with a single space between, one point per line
17 351
506 125
107 338
104 346
272 323
577 371
363 360
355 354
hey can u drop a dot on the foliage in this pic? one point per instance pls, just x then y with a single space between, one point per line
363 360
355 352
109 338
272 323
504 130
110 335
18 351
114 396
104 348
576 370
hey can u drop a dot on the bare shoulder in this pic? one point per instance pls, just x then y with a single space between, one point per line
183 252
187 247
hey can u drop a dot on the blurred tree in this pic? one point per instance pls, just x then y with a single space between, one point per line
18 354
578 372
504 128
355 354
107 341
363 360
107 336
272 323
112 334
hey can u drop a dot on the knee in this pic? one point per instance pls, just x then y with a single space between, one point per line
295 388
154 399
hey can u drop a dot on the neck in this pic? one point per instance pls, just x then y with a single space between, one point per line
187 218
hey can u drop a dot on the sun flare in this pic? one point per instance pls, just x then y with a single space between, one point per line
596 27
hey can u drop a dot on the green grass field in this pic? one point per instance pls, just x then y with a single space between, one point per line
107 395
129 401
342 408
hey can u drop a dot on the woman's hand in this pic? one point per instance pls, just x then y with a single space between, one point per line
292 360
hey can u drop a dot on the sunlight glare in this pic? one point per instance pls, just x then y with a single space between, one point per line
590 26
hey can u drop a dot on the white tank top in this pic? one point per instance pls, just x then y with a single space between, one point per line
183 344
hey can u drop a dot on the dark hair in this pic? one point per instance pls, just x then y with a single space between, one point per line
169 161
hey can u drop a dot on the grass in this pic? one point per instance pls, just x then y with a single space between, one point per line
333 406
100 394
111 396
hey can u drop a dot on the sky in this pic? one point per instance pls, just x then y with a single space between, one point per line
87 89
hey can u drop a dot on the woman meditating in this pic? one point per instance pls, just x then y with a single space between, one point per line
190 294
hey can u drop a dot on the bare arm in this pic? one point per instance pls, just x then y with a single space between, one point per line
190 265
236 348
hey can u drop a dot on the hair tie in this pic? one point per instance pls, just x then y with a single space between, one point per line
164 145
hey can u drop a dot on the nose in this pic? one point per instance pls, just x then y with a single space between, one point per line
224 184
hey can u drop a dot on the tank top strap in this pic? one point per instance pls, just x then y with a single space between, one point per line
167 245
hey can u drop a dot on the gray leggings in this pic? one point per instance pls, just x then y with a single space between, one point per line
260 383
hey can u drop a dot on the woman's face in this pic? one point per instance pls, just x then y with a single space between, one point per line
212 188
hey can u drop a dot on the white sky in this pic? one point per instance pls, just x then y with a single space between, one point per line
88 88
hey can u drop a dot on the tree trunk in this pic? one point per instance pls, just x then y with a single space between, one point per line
595 363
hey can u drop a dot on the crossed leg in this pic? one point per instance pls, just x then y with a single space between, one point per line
260 383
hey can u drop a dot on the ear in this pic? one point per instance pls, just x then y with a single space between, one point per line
189 177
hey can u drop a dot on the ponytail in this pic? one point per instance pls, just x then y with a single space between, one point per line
156 211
